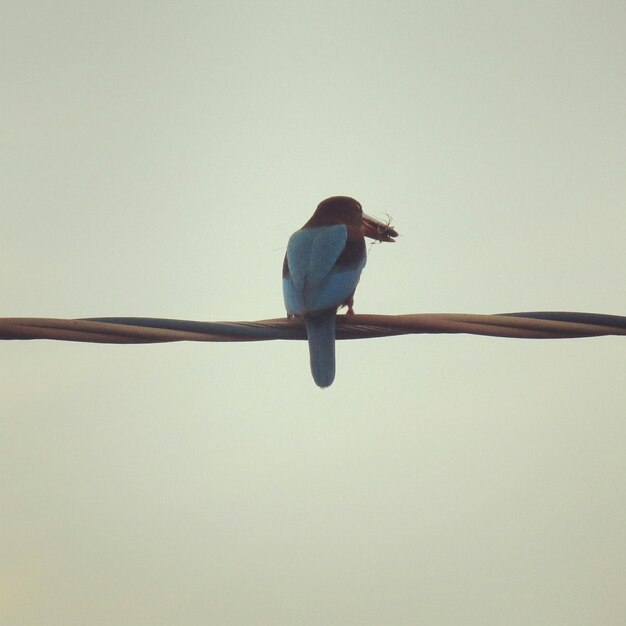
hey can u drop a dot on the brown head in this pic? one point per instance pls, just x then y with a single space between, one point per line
346 210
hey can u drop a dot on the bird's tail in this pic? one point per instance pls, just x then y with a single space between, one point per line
320 330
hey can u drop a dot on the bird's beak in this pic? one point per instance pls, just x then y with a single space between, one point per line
375 229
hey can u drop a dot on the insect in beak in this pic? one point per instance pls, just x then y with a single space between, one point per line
375 229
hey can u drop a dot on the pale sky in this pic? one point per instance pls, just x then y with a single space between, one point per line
156 156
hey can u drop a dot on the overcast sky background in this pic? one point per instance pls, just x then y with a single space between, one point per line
155 158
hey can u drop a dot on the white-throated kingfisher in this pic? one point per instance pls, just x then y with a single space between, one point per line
321 270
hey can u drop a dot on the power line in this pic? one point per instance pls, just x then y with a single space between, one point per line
128 330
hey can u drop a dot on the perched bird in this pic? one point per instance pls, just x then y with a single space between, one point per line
321 270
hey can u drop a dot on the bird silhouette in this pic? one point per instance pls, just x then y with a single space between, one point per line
321 270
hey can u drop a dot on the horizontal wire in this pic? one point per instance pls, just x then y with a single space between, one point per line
529 325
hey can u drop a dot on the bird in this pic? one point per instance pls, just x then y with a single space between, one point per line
321 270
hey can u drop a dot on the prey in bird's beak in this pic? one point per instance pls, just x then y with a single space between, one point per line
375 229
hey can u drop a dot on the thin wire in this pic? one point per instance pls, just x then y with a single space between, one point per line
127 330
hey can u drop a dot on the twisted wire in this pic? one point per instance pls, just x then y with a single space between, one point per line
128 330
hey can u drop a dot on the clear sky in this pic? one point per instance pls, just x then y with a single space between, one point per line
156 156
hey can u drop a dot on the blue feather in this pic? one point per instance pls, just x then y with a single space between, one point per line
314 283
320 330
314 286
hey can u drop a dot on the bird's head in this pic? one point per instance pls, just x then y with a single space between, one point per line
346 210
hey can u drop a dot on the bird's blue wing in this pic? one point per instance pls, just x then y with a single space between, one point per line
312 252
314 283
335 290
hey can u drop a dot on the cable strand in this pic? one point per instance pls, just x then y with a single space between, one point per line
127 330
